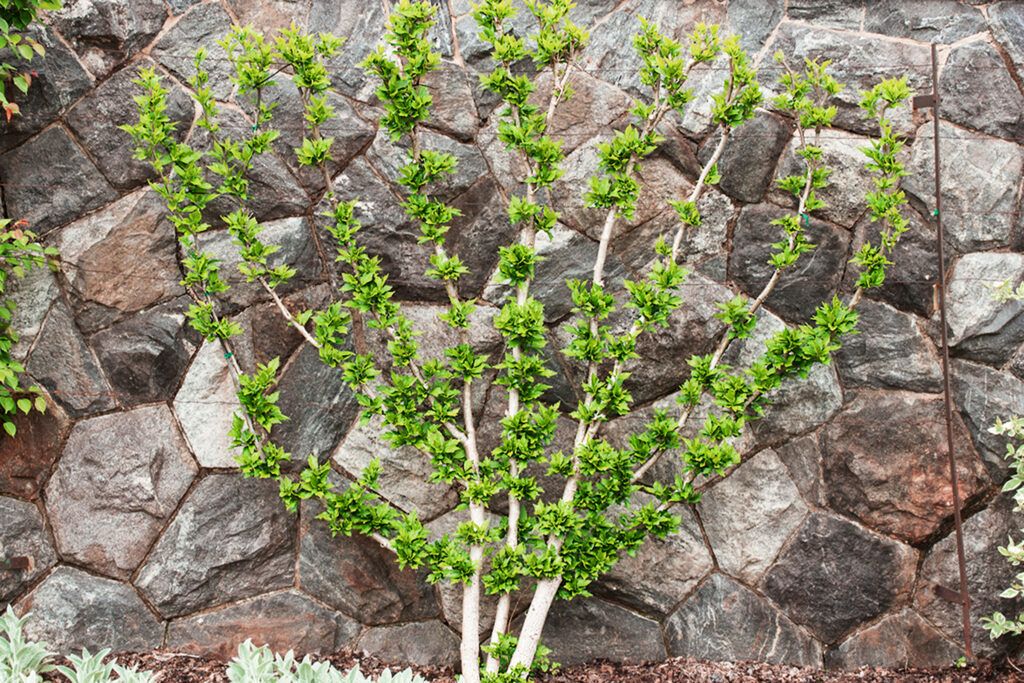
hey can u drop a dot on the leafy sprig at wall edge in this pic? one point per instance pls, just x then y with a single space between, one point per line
607 506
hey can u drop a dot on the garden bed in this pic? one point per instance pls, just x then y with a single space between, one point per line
181 668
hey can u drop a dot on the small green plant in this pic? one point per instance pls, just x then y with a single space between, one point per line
997 624
606 507
259 665
20 252
15 17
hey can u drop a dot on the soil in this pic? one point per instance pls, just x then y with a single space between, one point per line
182 668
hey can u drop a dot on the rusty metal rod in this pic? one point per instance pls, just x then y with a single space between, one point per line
964 597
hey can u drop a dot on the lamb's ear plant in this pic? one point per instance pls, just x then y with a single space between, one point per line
260 665
560 544
998 624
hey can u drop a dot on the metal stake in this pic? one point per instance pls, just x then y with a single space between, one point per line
962 597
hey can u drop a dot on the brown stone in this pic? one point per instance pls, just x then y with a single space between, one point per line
26 460
284 621
124 260
900 640
885 463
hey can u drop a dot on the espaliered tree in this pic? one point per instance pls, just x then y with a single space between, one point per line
559 544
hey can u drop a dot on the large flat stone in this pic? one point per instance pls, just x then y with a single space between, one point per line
749 516
72 610
724 621
96 118
421 643
835 576
205 405
56 182
23 533
661 573
232 538
890 352
108 32
283 621
984 394
123 260
929 21
360 578
978 209
750 155
145 356
979 92
1007 22
981 327
886 463
898 641
583 630
202 25
119 480
63 364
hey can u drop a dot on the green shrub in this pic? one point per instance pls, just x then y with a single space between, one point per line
605 509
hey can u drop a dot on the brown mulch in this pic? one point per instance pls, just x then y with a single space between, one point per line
181 668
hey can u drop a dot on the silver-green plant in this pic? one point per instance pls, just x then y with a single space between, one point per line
998 624
20 658
260 665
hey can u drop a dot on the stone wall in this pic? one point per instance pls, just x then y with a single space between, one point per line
823 548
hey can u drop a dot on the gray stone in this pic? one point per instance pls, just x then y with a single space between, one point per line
108 32
886 463
351 132
421 643
595 108
405 473
988 574
58 81
724 621
802 457
32 295
202 25
205 405
835 575
119 480
859 60
748 160
978 208
270 16
847 183
478 234
813 279
388 233
360 578
54 181
579 631
266 334
977 320
145 356
124 260
72 610
909 282
800 405
22 534
321 409
980 94
754 20
274 192
930 21
232 538
283 621
890 352
27 460
390 157
96 118
1007 20
984 394
297 250
898 641
750 514
661 573
63 364
835 13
